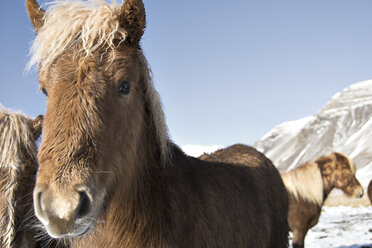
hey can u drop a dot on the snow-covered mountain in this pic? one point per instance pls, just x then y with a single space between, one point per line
343 125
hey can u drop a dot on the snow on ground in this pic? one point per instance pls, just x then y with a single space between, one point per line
342 227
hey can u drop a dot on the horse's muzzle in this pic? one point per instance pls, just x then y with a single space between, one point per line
359 192
64 213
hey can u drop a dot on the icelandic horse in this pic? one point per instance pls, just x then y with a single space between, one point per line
18 167
309 185
266 172
109 175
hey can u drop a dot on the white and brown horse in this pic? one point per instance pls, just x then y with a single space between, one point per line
308 187
109 176
18 167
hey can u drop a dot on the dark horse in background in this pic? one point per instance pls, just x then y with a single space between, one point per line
109 176
266 172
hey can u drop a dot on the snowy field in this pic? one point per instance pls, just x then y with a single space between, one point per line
342 227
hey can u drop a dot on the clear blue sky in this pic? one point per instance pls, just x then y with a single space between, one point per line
227 71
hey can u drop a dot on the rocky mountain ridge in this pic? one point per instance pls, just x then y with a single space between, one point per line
344 125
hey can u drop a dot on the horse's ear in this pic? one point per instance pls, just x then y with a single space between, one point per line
36 126
341 158
35 13
347 162
133 19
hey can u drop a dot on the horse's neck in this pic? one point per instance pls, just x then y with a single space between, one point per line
327 190
132 212
327 185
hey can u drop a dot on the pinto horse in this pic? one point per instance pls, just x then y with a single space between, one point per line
109 175
308 187
18 166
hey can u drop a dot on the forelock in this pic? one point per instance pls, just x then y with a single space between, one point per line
89 25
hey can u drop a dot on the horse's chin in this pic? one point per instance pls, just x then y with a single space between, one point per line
80 228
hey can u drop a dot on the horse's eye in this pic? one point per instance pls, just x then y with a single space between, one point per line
44 91
124 87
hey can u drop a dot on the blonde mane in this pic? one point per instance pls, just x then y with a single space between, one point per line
157 114
92 24
15 135
305 182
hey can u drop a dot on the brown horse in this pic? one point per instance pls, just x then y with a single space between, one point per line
258 163
308 187
18 166
369 190
109 176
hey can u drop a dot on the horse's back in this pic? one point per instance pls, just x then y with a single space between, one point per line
225 205
239 154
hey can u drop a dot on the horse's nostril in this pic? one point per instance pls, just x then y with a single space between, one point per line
359 194
84 205
38 200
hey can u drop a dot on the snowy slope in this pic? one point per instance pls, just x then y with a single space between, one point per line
343 125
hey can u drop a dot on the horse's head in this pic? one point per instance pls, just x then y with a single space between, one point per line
100 102
18 166
339 172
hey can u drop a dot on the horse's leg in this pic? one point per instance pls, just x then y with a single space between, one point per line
299 238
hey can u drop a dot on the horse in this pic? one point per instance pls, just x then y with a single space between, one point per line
369 190
18 167
245 155
109 174
309 185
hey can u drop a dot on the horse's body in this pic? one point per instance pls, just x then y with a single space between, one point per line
18 166
109 176
266 173
308 187
369 190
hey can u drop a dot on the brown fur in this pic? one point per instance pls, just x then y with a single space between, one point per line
267 174
369 190
17 178
336 171
108 176
238 154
